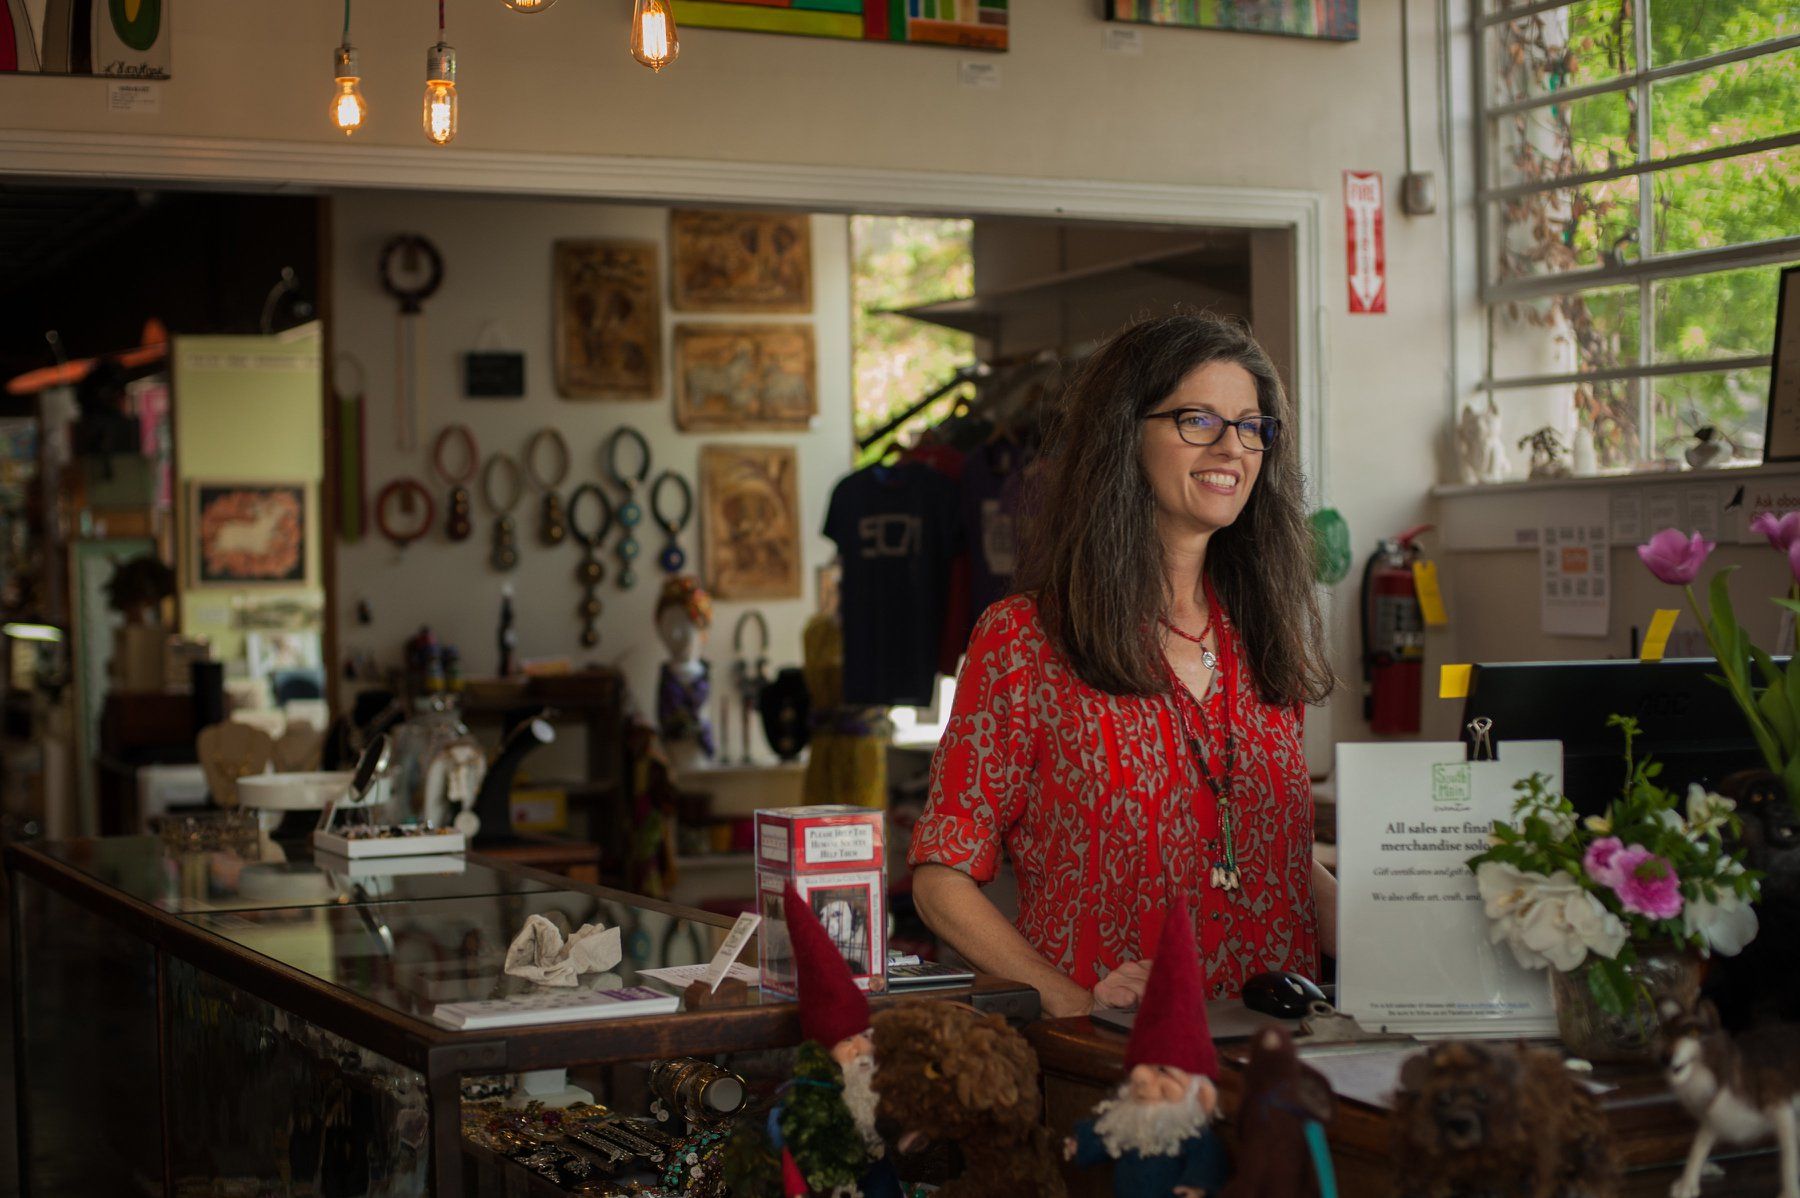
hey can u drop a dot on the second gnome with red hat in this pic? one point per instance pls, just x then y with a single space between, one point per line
1156 1128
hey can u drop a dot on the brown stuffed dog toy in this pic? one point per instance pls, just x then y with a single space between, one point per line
947 1074
1500 1121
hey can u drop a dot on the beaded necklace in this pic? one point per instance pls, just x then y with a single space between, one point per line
1225 872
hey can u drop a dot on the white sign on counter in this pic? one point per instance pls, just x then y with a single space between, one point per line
1413 948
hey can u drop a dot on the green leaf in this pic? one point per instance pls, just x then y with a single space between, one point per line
1792 605
1776 708
1718 606
1609 985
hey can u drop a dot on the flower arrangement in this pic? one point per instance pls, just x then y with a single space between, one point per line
1566 894
1772 709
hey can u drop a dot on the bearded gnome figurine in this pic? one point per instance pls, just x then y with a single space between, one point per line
1155 1129
820 1139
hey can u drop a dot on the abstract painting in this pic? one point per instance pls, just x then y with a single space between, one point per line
969 24
741 261
744 376
608 320
750 521
1327 20
248 534
127 39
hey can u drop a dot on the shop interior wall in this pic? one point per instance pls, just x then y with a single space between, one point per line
497 271
1192 108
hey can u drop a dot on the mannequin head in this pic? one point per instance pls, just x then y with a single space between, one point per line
683 614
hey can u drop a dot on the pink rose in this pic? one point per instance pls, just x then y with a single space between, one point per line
1602 861
1673 558
1783 531
1647 883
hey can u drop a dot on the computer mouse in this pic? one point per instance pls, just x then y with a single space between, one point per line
1281 994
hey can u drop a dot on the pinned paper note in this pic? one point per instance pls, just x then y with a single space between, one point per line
1656 640
1431 597
1453 681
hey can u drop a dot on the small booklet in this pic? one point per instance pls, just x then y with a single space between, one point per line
555 1006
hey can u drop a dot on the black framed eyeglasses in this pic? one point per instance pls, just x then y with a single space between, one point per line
1197 426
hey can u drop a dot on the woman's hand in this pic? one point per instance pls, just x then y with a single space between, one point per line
1124 986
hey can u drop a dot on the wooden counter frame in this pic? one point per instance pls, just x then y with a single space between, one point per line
442 1056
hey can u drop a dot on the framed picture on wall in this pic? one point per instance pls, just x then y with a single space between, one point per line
1323 20
730 377
750 521
240 534
1781 439
741 261
608 320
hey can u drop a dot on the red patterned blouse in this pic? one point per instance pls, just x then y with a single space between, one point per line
1097 800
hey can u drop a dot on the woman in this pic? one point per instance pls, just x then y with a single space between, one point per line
1127 728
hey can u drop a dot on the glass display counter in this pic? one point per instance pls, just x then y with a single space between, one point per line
255 1023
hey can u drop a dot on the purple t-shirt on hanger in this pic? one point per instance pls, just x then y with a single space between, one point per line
990 501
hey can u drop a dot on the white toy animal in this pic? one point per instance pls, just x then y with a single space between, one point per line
1479 452
1741 1088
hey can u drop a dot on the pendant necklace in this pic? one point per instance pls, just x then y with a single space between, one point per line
1208 658
552 524
672 558
1225 872
590 573
629 512
504 553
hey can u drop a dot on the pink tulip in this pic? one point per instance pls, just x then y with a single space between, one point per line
1647 883
1673 558
1602 861
1793 556
1783 531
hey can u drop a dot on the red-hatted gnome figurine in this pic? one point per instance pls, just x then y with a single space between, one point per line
1156 1128
825 1132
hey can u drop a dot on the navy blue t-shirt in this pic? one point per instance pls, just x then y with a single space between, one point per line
896 529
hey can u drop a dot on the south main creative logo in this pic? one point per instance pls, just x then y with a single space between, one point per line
1452 786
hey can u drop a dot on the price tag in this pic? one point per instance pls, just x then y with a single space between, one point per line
728 952
1656 640
1431 597
1453 681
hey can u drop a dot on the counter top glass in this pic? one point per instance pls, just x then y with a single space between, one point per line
276 875
411 956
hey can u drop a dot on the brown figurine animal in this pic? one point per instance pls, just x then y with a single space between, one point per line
1273 1159
1740 1088
1498 1121
947 1074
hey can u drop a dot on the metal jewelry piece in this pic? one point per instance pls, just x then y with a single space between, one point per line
504 554
672 559
552 522
590 573
630 513
413 496
457 524
750 673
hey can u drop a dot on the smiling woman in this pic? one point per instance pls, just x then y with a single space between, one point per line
1127 728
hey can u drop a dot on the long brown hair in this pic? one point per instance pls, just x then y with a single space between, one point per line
1091 553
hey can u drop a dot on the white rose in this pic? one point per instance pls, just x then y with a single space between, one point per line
1546 920
1602 931
1705 810
1725 925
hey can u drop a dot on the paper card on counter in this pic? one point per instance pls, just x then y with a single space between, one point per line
726 958
1413 948
683 976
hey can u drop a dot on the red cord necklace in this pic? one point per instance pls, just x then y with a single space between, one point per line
1225 872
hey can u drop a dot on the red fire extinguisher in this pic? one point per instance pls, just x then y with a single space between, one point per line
1393 635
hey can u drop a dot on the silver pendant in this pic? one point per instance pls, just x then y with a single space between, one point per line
1209 659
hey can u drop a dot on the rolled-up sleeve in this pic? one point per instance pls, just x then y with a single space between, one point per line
985 768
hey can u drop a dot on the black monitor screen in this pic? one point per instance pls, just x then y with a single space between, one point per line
1690 723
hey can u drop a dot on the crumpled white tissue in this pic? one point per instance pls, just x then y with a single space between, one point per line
539 953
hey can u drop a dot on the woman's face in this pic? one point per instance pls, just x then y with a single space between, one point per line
1202 488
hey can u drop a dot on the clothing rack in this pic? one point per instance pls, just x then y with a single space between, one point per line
964 374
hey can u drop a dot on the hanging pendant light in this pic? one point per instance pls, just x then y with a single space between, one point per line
528 5
348 108
440 88
654 41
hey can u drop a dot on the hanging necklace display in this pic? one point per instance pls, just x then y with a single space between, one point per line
553 525
352 484
672 559
1225 872
631 513
505 552
750 673
414 498
411 272
590 573
457 523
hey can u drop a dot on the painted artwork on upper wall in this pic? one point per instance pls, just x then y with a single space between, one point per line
248 534
730 377
750 521
968 24
1326 20
740 261
608 320
126 39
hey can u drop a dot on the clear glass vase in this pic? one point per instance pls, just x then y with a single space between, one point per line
1660 972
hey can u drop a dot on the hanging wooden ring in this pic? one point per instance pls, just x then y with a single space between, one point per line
406 489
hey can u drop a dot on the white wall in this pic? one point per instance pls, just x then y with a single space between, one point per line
1194 108
497 255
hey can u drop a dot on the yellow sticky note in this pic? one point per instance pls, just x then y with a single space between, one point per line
1431 598
1656 640
1453 681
